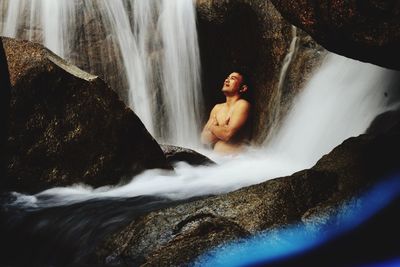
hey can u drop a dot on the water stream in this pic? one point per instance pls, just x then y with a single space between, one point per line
277 97
340 100
149 47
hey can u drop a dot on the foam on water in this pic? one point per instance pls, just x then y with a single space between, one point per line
340 101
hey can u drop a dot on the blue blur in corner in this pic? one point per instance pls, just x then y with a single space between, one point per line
390 263
288 242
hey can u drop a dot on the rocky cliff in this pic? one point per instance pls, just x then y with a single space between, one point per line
178 235
364 30
253 36
67 126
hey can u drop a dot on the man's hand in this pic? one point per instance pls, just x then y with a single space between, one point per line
236 122
207 137
213 122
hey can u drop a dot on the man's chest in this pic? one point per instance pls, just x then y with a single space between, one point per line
223 116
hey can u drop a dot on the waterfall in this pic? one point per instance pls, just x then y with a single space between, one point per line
179 40
276 102
340 101
147 47
156 45
134 55
45 21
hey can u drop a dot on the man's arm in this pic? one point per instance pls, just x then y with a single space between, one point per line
236 122
207 137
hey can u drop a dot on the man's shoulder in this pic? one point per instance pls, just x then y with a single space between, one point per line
218 106
242 103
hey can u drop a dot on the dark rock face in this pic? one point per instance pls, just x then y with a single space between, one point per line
364 30
175 154
157 238
95 51
252 36
244 34
275 202
5 92
387 121
68 126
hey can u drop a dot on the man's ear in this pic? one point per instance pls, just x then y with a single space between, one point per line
243 89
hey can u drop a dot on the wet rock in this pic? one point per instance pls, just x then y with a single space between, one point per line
67 126
387 121
349 169
364 30
375 239
252 36
94 49
243 212
175 154
5 91
244 34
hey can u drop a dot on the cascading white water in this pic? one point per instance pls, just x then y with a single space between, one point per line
340 101
10 23
44 21
157 44
276 109
134 58
180 68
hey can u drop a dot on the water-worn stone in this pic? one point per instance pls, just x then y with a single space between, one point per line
175 154
249 34
387 121
252 36
5 92
349 169
67 126
365 30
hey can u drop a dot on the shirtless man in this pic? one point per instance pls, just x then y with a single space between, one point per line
225 129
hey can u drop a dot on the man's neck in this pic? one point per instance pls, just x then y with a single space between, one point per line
231 100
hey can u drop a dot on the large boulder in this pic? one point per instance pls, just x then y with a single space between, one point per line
67 126
253 36
175 154
387 121
365 30
89 45
177 235
250 34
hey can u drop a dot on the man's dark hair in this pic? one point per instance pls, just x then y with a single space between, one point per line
246 80
245 77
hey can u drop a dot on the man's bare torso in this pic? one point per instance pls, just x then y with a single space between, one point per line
226 128
223 116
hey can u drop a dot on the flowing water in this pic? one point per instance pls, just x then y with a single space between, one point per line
150 47
277 97
340 101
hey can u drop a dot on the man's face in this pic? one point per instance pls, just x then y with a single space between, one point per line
232 84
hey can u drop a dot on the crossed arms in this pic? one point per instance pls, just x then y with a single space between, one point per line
214 131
